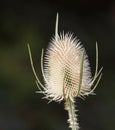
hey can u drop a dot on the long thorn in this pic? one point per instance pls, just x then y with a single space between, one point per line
81 73
94 86
56 26
33 69
42 69
96 69
38 85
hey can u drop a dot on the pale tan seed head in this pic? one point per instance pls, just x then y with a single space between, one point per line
65 69
62 68
66 72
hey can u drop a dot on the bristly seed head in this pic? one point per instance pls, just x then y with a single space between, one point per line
62 68
66 72
65 69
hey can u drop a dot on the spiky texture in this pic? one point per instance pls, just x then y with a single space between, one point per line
70 107
66 72
62 68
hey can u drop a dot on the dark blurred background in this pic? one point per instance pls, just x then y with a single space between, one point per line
23 22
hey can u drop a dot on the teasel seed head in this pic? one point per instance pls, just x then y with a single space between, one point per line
65 68
66 72
62 68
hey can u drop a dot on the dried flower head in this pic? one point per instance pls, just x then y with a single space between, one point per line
62 68
66 72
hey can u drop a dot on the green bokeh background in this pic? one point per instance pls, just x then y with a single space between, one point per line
23 22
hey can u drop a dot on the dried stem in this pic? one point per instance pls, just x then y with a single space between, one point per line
70 107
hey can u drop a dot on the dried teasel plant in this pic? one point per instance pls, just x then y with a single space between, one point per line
66 72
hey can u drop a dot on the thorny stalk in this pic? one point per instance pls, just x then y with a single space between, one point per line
69 101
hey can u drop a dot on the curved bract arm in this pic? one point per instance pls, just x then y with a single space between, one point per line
56 26
81 73
97 75
38 83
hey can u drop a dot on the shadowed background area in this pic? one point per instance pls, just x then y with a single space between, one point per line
23 22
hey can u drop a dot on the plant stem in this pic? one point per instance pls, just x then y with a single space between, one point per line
70 107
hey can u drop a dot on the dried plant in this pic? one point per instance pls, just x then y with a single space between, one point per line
66 72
